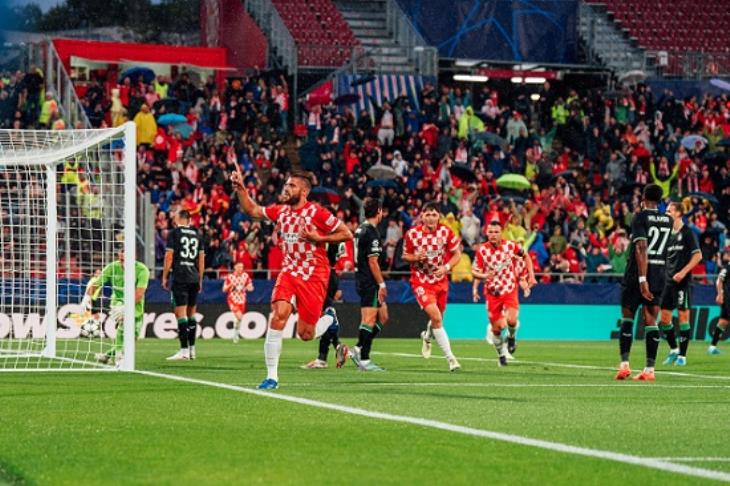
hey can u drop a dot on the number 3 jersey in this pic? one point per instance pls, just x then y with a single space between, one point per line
654 228
186 245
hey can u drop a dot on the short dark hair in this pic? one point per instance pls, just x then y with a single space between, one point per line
653 193
184 214
678 206
372 207
495 222
431 206
304 175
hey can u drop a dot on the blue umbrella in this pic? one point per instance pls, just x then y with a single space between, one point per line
690 141
171 119
705 195
321 193
183 129
720 83
148 75
382 183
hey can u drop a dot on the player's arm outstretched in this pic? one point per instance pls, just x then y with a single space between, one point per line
248 205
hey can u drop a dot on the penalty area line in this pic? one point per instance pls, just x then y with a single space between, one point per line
660 465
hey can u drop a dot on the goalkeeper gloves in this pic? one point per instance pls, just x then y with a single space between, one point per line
116 313
86 303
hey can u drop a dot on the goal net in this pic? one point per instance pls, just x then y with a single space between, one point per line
67 204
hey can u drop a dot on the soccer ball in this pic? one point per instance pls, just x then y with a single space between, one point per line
91 328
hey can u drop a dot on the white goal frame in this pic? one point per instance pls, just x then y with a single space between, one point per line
49 158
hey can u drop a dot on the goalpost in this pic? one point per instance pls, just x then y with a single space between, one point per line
67 206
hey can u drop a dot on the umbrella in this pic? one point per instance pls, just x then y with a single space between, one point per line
347 99
382 171
514 181
382 183
513 197
148 75
632 77
720 83
463 172
690 141
321 193
490 138
184 129
725 142
171 119
567 174
704 195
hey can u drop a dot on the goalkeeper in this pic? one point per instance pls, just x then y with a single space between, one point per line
113 274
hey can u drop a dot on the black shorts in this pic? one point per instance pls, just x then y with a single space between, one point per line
368 292
675 296
332 286
184 294
631 297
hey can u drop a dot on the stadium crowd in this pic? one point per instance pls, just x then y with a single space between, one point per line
584 157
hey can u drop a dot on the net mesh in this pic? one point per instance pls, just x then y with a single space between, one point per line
89 192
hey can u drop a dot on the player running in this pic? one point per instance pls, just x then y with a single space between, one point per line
235 286
432 249
500 264
683 254
305 228
644 280
184 256
113 274
722 286
370 285
334 253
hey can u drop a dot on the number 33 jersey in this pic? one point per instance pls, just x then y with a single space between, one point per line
186 245
654 228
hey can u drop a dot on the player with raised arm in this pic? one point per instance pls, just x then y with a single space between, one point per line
185 258
235 287
113 274
500 264
331 337
432 249
683 254
722 287
370 284
644 281
306 228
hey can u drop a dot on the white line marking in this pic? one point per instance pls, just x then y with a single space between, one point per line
457 384
663 466
693 459
559 365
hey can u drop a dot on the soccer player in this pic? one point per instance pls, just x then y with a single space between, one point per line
334 252
721 286
683 254
185 258
306 228
113 274
370 285
500 264
644 280
236 285
432 249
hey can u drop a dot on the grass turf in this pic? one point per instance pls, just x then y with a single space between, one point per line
87 428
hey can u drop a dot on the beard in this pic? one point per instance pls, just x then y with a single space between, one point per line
291 200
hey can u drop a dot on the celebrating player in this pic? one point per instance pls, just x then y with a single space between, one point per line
370 285
644 280
721 286
496 262
334 252
683 254
184 255
306 227
113 274
236 285
432 249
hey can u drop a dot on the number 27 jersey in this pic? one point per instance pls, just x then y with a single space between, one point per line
654 228
186 246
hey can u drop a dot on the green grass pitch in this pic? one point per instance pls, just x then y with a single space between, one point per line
126 428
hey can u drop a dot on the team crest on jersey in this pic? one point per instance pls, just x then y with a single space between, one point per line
420 291
290 238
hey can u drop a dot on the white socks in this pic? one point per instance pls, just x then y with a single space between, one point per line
272 350
322 325
497 341
443 341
